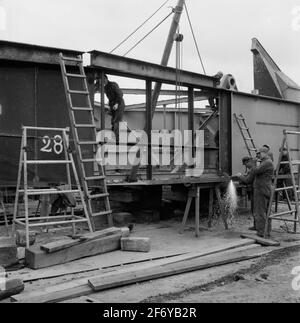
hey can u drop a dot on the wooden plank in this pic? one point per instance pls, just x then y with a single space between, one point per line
138 276
136 244
261 241
67 243
36 258
10 287
169 258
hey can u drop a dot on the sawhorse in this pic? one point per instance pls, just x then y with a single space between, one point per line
194 192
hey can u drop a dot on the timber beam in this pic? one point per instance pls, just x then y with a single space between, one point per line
128 67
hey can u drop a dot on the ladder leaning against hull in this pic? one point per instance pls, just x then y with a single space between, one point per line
245 132
92 173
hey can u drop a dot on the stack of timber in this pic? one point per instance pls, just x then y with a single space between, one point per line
213 257
67 250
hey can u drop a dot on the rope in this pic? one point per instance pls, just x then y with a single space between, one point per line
139 27
195 40
150 32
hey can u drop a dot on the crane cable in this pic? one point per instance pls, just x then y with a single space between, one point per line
179 51
195 40
148 34
139 27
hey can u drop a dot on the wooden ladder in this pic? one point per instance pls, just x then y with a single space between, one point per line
282 216
83 126
245 131
27 191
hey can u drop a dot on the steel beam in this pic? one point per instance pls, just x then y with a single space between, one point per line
32 53
128 67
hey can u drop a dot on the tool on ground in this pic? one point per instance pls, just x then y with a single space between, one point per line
27 191
245 131
92 173
294 187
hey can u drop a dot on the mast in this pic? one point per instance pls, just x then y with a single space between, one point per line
168 49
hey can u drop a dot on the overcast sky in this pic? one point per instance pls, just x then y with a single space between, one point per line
224 30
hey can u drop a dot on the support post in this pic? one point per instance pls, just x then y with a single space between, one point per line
102 102
168 49
191 109
149 127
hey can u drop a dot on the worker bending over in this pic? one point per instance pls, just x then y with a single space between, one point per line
116 102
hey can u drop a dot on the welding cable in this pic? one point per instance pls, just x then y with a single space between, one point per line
150 32
138 28
195 40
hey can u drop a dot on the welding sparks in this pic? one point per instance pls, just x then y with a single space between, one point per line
231 200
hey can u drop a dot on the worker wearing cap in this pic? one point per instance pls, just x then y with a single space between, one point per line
263 175
248 179
116 102
269 152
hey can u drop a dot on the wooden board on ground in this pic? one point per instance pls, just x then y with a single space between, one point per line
10 287
138 276
67 243
136 244
36 258
96 263
261 241
80 288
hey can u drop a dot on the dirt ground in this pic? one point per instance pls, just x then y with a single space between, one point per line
267 281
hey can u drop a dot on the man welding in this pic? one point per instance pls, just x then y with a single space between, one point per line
116 102
262 186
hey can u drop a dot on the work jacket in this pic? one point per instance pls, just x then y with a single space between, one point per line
263 177
113 93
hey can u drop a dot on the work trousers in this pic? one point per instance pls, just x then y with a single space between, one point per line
116 118
261 204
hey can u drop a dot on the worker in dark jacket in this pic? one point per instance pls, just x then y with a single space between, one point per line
248 179
270 154
116 102
262 191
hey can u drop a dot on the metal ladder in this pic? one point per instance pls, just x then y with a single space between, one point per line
80 129
245 131
27 192
272 216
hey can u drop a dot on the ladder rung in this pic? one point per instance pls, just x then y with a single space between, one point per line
98 196
48 162
75 75
88 143
48 192
72 59
248 139
102 213
283 213
296 162
284 188
243 128
94 178
82 109
78 92
50 224
285 220
253 149
84 126
240 118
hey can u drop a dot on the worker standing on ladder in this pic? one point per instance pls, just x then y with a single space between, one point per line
116 102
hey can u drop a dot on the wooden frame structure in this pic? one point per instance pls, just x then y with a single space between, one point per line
103 63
